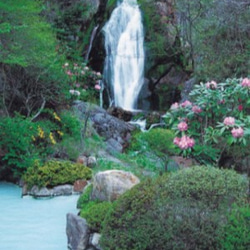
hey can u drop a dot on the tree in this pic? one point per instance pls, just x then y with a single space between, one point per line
30 67
215 36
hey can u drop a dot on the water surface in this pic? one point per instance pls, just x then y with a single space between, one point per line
33 224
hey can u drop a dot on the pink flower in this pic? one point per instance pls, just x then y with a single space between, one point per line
182 126
196 109
78 85
97 87
229 121
174 106
237 132
69 73
221 101
186 103
184 142
98 74
240 107
245 82
211 85
177 140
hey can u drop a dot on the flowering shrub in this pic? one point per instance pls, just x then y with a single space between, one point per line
215 120
82 80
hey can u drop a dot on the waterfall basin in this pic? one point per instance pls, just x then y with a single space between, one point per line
28 223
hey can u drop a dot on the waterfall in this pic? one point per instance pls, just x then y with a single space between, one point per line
124 63
93 34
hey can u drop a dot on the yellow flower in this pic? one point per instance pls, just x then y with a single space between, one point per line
56 116
52 139
60 133
40 132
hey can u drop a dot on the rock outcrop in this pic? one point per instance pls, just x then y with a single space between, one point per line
115 131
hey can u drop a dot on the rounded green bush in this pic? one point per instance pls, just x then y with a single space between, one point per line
54 173
182 210
95 213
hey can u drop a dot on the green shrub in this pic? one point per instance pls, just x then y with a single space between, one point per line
155 144
17 144
55 173
95 213
209 185
236 233
165 214
85 197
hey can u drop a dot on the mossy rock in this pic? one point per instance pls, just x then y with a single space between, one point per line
182 210
55 172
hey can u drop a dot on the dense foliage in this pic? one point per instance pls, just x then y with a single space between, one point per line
54 173
214 36
30 66
22 142
184 210
208 127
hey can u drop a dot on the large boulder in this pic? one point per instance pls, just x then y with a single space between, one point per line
77 232
109 185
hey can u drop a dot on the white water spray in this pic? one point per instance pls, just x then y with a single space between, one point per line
124 63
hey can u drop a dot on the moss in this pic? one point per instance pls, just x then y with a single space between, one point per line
174 211
55 173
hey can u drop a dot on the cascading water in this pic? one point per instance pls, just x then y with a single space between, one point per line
124 63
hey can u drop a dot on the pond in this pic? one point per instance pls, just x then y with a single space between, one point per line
27 223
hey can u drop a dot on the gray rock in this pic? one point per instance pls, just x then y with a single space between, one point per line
106 125
109 185
40 192
114 146
94 240
62 190
77 232
91 161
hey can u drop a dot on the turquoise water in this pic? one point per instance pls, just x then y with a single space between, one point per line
33 224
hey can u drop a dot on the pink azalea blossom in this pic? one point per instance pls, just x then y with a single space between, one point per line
174 106
78 85
186 103
237 132
182 126
177 140
184 142
196 109
245 82
211 85
229 121
98 74
98 87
